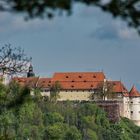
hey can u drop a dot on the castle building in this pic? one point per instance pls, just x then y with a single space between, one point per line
80 86
87 86
30 73
131 103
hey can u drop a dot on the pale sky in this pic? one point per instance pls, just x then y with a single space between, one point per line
88 40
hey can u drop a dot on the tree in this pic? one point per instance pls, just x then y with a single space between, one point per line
73 134
128 10
30 122
7 130
91 135
55 89
104 90
13 60
54 117
55 131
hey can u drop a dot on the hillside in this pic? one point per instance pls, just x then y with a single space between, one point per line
35 118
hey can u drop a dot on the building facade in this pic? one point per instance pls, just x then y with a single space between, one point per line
88 86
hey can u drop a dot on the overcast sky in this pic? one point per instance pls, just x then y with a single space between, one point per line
88 40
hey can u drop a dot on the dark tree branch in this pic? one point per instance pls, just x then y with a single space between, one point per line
128 10
13 60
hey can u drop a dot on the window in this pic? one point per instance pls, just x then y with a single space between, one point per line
94 76
72 81
114 84
131 112
80 76
49 81
91 85
67 76
139 111
72 86
85 81
131 102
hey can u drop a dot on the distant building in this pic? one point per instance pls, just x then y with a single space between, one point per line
84 86
131 102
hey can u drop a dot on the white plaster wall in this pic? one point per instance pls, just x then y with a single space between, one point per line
126 107
135 108
74 95
47 93
137 122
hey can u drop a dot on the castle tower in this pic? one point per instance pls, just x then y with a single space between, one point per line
30 72
134 104
126 107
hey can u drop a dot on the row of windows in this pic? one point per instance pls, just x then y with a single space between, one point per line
78 90
132 112
46 90
131 102
94 76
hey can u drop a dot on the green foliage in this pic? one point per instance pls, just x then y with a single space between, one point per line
30 117
55 117
55 131
72 134
55 89
7 125
91 135
30 121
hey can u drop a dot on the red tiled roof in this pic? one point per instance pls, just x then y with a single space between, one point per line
30 82
72 81
126 94
44 82
79 76
133 92
79 85
34 82
118 87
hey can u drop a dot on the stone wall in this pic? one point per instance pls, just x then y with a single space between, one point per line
113 109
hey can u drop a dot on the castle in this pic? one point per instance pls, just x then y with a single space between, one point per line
87 86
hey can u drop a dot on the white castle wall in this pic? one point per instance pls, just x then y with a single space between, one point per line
126 108
135 109
131 106
74 95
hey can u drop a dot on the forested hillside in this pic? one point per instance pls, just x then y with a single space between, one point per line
26 117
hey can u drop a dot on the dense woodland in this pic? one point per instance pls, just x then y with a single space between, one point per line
26 117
